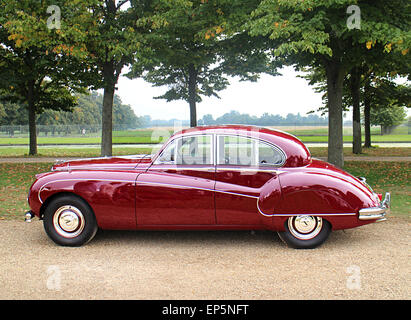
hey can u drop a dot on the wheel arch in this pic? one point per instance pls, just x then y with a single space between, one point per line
61 194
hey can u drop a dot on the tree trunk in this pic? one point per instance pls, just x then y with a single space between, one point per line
367 114
356 112
192 94
32 120
107 111
335 79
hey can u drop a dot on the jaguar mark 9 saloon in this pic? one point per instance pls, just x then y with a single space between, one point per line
206 178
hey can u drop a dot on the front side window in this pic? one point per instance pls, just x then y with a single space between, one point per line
192 150
237 150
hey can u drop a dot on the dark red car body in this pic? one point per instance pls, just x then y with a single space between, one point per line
139 193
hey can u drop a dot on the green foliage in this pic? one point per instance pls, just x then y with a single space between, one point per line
198 45
86 112
186 37
40 66
320 26
388 117
315 34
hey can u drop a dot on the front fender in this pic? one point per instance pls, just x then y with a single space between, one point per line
111 195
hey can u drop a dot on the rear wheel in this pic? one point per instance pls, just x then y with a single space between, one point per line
69 221
305 232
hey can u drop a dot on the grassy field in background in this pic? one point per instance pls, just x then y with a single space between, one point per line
66 152
149 139
16 178
144 136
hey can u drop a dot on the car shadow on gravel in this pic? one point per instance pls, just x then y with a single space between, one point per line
260 238
111 237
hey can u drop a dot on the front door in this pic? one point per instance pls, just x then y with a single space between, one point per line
178 189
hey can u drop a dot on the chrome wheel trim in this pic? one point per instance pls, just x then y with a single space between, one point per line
305 227
68 221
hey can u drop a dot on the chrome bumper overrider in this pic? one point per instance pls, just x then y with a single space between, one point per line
377 213
28 216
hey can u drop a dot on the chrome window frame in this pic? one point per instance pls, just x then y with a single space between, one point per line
212 150
264 165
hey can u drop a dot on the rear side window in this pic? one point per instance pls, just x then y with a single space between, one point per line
237 150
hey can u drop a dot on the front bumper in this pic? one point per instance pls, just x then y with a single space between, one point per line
377 213
28 216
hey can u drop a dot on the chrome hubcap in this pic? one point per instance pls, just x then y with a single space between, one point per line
305 227
68 221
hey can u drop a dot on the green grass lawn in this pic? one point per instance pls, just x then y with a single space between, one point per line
77 140
64 152
366 152
119 137
16 178
309 134
118 150
149 140
384 177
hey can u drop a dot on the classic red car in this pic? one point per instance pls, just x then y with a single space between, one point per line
206 178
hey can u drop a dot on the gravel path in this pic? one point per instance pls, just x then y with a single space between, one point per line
370 262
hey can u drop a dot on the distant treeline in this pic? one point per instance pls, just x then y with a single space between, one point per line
235 117
87 112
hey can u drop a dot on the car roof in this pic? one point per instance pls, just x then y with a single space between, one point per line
296 152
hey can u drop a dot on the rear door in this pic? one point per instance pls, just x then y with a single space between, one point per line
247 184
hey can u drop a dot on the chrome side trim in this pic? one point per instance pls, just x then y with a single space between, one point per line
237 194
252 197
159 167
264 214
88 168
314 214
248 169
197 188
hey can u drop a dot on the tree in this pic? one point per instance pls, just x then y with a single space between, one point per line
389 101
372 83
37 67
380 87
388 118
88 112
199 47
114 40
318 34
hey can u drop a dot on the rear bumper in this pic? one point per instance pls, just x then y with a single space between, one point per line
377 213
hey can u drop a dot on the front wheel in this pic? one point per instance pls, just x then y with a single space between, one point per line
69 221
305 232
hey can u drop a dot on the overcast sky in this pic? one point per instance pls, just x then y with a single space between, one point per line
276 95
